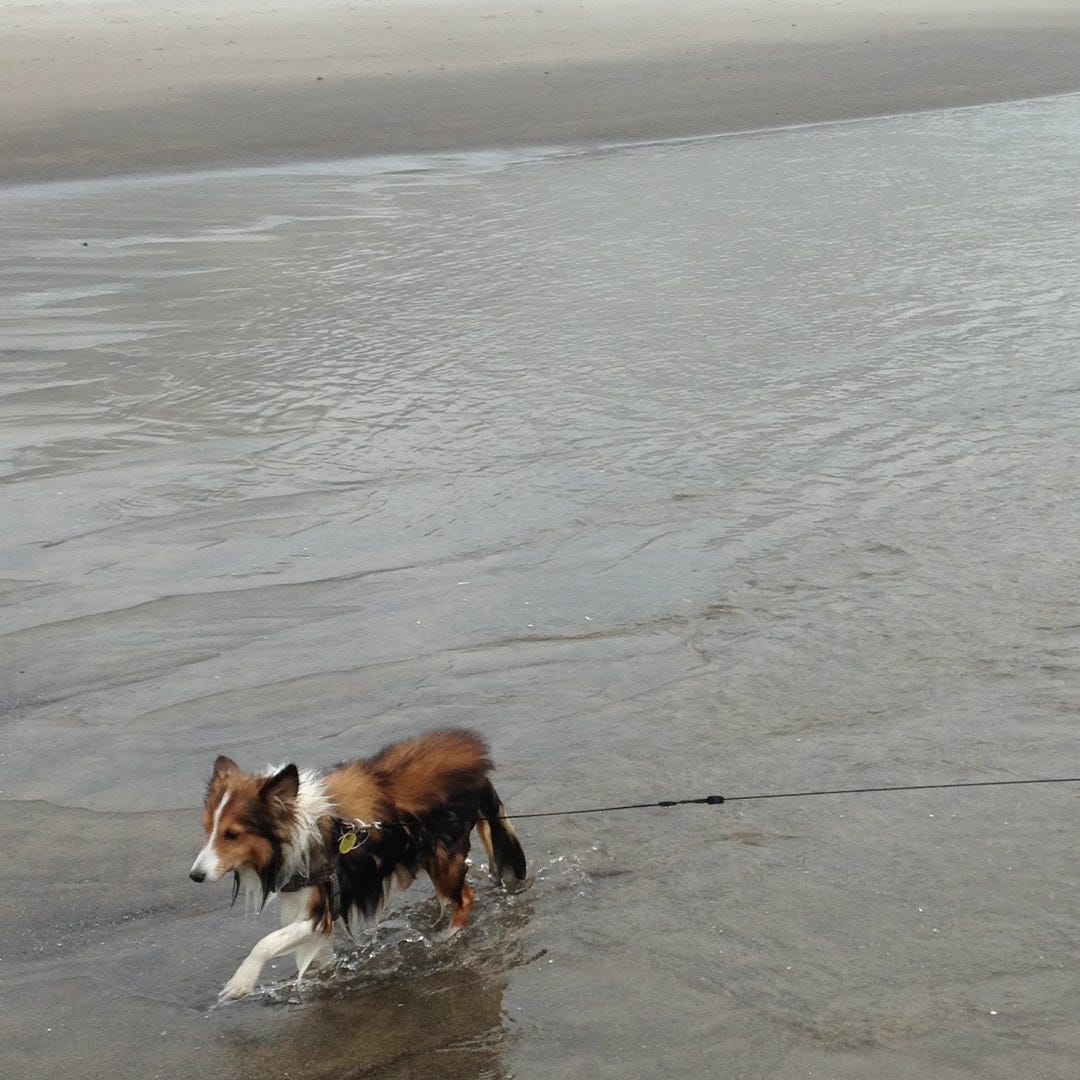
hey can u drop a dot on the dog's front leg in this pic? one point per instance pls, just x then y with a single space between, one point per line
294 907
296 935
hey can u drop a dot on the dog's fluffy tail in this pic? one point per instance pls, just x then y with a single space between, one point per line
505 855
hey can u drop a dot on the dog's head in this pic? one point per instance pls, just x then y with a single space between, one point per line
248 818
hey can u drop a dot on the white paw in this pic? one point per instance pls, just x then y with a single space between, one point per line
240 985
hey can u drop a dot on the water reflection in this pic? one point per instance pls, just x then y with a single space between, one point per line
440 1022
400 1002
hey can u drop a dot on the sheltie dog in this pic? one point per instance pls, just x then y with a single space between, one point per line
332 843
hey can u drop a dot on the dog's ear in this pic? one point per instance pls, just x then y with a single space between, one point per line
283 786
223 766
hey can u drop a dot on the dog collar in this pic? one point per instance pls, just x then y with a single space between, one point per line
352 832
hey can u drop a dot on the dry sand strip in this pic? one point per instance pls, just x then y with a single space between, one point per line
121 86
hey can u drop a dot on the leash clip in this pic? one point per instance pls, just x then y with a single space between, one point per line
355 833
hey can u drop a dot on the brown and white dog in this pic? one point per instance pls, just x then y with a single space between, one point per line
332 843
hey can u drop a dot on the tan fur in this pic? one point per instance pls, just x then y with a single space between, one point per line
235 846
421 774
354 792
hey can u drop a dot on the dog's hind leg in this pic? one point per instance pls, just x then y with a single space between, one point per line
447 873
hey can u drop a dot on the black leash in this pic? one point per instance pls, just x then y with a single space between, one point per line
716 800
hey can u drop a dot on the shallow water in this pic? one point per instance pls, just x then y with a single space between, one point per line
736 465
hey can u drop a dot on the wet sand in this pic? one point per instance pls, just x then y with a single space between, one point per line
104 88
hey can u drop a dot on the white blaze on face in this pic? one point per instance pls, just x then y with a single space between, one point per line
207 862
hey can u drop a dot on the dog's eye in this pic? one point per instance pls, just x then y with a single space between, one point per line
231 834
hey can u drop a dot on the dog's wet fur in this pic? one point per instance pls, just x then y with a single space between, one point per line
412 807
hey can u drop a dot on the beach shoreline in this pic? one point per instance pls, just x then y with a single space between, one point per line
102 89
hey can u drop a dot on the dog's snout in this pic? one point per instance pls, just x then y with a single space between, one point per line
197 875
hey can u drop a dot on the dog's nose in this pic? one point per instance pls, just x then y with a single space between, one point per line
197 875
